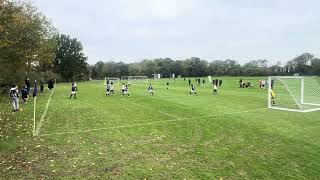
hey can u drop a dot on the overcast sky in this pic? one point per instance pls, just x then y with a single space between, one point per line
131 30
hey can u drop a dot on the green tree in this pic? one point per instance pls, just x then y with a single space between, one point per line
301 64
256 68
70 62
315 66
26 40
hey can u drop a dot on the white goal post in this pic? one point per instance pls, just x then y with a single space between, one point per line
115 80
135 79
294 93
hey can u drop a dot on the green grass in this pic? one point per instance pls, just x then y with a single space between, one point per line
166 136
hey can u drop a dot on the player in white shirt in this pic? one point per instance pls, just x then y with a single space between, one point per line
193 90
215 89
150 89
108 89
111 88
123 88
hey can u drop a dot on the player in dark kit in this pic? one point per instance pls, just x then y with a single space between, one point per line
42 85
24 93
50 84
74 90
28 84
167 85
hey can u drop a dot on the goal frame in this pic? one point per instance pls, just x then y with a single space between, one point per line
302 94
138 78
111 79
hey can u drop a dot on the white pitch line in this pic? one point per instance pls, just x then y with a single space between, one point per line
36 133
153 122
161 112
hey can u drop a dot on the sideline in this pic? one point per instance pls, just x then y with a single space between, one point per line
37 131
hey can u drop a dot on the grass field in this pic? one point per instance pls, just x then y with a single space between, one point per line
166 136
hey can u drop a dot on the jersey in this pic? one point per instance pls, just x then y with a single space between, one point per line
215 87
273 95
14 93
108 86
74 88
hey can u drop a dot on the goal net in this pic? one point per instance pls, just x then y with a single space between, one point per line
294 93
115 80
135 79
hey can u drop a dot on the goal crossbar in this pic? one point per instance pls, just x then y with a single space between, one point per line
294 93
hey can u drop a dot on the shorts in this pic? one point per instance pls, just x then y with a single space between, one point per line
193 91
73 92
150 91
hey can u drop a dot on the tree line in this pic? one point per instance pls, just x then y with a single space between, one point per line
30 46
305 64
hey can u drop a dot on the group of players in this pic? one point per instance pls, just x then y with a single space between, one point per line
125 88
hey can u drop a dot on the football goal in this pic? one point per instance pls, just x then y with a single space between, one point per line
115 80
135 79
294 93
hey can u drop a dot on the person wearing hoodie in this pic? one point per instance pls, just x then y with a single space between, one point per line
14 94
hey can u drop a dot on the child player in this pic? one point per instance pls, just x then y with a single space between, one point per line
108 89
126 90
150 89
111 88
123 88
14 94
193 90
24 93
74 90
215 89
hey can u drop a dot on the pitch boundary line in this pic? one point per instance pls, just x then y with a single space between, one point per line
153 122
36 133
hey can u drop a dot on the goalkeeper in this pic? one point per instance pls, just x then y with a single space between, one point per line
273 96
